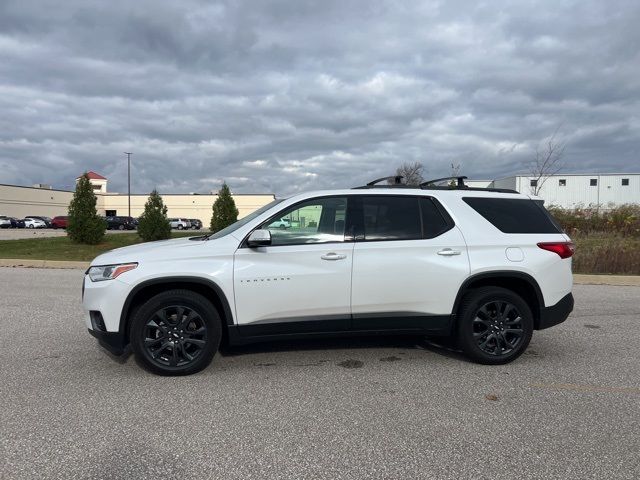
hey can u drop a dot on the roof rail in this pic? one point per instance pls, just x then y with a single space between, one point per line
397 180
431 184
459 181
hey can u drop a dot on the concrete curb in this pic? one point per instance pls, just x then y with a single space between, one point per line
578 279
619 280
26 263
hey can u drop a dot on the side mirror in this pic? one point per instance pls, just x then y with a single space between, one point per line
259 238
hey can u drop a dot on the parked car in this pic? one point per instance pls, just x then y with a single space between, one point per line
5 222
32 222
195 223
281 223
120 223
59 222
436 261
16 222
46 220
180 223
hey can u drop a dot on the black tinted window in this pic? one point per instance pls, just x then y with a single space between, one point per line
513 215
391 218
433 223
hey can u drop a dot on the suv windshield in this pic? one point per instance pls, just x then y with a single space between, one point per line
240 223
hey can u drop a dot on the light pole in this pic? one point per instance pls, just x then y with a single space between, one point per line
128 154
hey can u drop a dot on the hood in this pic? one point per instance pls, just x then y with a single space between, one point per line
160 250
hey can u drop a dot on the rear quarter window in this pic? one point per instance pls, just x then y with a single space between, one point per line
512 215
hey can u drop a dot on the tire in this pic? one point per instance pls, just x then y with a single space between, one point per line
120 227
31 226
483 332
153 332
180 227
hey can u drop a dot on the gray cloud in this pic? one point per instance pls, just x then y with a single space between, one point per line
285 96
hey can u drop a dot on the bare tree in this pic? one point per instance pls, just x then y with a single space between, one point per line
547 162
411 173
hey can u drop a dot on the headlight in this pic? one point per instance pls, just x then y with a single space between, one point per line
109 272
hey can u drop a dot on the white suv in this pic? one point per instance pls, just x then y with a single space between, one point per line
484 266
280 223
180 223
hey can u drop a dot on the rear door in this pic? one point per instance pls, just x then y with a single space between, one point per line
409 261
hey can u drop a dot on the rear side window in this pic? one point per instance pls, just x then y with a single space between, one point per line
510 215
391 218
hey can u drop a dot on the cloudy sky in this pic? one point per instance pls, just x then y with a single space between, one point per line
282 96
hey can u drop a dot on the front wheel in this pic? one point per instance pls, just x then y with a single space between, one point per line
180 227
495 325
176 332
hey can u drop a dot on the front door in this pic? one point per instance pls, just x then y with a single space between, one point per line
301 283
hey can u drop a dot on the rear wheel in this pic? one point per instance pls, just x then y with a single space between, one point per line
176 332
495 325
180 227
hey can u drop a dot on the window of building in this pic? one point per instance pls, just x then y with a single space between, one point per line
562 182
320 220
625 182
534 183
391 218
593 182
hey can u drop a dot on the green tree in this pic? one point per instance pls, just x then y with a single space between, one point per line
224 210
153 223
84 224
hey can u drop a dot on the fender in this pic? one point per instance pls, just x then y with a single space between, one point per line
177 280
500 274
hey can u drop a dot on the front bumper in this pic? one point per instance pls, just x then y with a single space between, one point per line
555 314
104 300
112 341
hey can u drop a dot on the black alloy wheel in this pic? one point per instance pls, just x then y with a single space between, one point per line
175 336
497 327
494 325
176 332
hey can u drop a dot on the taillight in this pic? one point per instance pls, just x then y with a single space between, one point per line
563 249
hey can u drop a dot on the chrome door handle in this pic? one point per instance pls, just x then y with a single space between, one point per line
448 252
333 256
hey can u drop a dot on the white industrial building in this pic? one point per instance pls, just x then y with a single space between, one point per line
572 190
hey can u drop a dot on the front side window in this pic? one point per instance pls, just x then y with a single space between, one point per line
320 220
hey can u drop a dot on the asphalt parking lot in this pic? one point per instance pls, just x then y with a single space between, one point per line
382 408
